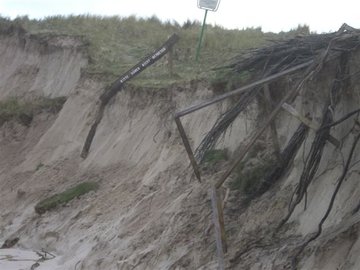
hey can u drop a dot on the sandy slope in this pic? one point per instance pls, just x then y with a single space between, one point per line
150 212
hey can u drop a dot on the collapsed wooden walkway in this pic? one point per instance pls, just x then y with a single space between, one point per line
330 47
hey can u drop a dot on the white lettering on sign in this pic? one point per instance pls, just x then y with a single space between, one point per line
134 70
159 52
145 63
124 79
209 4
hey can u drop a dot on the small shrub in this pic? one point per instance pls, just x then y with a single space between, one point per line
64 197
248 180
23 112
14 109
215 155
52 105
39 166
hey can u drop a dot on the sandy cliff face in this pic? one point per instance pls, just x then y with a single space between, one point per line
150 212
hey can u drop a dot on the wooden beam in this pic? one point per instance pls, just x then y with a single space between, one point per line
219 228
243 89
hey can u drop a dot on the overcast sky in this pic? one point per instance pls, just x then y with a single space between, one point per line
275 15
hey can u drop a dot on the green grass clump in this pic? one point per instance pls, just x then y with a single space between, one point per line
248 180
215 155
24 111
64 197
13 109
52 105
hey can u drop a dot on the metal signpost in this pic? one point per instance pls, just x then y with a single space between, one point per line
211 5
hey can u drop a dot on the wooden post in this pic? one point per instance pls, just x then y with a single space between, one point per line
170 62
273 131
218 220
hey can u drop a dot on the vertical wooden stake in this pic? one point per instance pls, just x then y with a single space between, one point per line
218 220
170 62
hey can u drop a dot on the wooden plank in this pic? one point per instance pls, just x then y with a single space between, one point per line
217 225
273 131
313 125
220 208
170 62
243 89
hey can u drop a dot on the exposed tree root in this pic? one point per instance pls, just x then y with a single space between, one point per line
287 156
223 123
331 204
311 165
342 119
313 159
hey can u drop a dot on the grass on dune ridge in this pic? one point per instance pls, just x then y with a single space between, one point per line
117 43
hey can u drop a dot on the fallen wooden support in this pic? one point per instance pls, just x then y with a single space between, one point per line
241 90
188 148
218 220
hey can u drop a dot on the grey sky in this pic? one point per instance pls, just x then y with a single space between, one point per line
275 15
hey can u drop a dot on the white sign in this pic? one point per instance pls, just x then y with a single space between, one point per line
209 4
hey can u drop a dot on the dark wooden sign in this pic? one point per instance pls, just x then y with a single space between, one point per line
139 67
119 83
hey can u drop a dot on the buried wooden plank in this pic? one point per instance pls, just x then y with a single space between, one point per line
313 125
218 220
